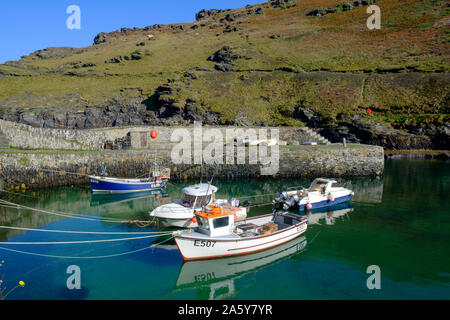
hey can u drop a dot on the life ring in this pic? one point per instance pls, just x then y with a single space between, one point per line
164 172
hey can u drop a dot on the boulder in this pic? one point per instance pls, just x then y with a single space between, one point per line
100 38
224 67
224 56
203 14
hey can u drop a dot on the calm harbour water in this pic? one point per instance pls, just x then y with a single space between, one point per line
400 222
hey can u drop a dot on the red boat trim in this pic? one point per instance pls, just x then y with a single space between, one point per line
235 254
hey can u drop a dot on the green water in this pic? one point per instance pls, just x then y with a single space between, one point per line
399 223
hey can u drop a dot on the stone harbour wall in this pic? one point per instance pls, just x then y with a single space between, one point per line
27 137
34 169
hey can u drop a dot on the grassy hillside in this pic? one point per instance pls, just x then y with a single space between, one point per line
284 63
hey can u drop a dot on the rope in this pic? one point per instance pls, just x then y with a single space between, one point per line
72 216
83 242
69 257
77 232
260 195
160 243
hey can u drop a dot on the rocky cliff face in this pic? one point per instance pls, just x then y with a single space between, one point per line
278 63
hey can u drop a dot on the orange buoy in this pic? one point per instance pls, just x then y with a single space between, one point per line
154 134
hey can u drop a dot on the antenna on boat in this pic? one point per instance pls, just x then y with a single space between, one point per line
209 183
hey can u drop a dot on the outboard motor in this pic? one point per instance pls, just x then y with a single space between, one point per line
282 198
292 202
103 172
286 202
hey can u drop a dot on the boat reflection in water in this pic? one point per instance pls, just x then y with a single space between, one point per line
367 190
328 215
99 199
219 275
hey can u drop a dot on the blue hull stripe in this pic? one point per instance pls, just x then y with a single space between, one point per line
327 203
105 186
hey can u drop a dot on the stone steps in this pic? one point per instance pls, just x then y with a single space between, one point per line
314 136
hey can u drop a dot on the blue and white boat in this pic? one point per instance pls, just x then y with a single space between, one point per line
124 185
119 185
322 193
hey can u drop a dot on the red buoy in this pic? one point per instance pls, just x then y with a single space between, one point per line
154 134
194 220
369 111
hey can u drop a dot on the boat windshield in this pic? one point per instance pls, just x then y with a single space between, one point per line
318 186
199 201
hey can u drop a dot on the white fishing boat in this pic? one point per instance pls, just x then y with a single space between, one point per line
218 276
194 198
219 234
322 193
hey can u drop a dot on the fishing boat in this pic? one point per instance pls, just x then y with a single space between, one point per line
322 193
194 198
103 184
220 235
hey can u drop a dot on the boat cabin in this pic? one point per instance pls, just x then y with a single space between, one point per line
198 196
323 185
216 221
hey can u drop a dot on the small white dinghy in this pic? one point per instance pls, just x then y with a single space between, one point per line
182 214
219 234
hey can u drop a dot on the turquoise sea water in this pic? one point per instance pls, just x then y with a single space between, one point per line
400 222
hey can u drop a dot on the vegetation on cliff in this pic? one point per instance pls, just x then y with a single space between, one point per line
276 63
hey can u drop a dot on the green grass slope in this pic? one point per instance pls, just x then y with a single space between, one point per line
286 63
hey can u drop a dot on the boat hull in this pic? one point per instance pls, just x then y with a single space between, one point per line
181 217
100 185
204 248
326 203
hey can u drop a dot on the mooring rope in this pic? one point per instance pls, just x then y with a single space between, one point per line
160 243
70 257
81 232
83 242
72 216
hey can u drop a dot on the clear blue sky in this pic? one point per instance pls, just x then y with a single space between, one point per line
26 26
